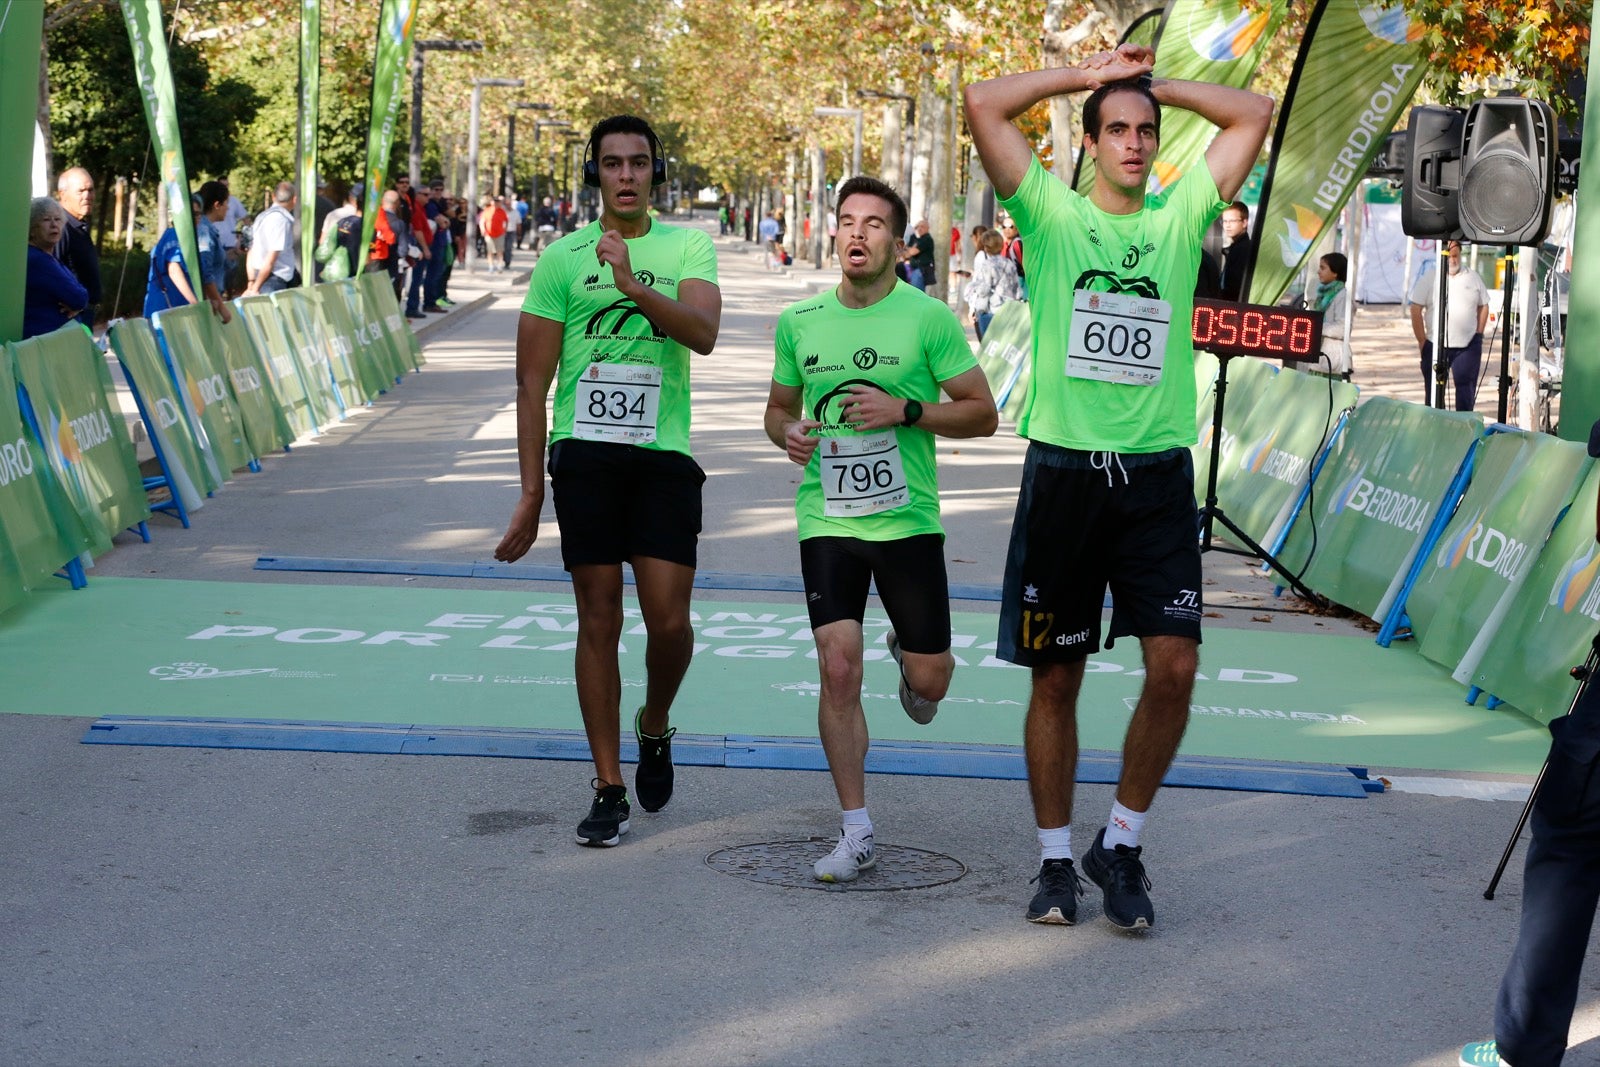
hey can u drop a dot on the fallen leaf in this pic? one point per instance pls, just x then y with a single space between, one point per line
1261 618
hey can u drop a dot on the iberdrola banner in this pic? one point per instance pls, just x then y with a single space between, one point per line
1580 389
21 31
1215 41
395 23
310 83
154 74
1358 66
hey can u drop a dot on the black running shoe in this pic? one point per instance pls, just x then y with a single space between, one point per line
1056 902
653 780
607 820
1120 874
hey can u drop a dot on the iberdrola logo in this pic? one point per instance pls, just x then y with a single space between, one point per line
1223 41
1341 498
1162 175
1298 234
1575 580
196 398
1256 457
1390 24
1455 550
400 25
66 440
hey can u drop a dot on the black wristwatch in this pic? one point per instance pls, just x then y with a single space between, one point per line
912 414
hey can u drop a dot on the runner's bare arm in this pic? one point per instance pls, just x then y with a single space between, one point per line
691 320
538 354
970 411
784 425
993 106
1242 117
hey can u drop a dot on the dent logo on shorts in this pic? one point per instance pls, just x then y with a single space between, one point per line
865 358
1068 640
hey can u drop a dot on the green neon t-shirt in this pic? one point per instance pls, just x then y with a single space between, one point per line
905 344
630 373
1072 245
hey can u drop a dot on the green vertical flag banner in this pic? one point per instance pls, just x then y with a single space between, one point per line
21 34
85 436
1358 66
310 84
1580 387
154 74
1216 41
395 23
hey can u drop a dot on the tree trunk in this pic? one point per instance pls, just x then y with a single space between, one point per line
939 196
892 167
1060 42
928 112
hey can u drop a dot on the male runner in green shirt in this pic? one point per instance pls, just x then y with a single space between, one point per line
855 400
1108 487
611 315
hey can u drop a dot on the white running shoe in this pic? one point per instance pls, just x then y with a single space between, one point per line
849 857
921 710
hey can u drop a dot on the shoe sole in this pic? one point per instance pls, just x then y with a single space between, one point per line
1139 923
908 696
1053 917
610 842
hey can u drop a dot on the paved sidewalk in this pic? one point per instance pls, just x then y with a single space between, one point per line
194 906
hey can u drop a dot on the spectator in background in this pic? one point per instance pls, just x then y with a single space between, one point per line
422 241
438 245
213 261
1333 300
918 256
52 297
492 224
512 222
168 283
233 249
522 212
272 245
1013 251
389 236
76 250
1467 313
994 282
545 221
1236 250
325 207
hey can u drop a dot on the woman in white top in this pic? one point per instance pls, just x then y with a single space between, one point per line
1333 300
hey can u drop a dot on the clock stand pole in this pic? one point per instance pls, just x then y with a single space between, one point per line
1212 512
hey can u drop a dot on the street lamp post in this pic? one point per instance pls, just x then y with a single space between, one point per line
849 113
511 143
472 161
417 50
533 199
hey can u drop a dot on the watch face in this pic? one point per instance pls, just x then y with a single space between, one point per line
913 412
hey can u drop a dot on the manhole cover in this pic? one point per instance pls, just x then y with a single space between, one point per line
788 863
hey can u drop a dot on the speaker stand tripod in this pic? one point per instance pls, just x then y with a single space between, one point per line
1212 512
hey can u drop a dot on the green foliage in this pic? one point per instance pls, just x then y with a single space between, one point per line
96 114
124 275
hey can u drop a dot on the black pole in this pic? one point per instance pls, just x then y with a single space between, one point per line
1441 365
1505 334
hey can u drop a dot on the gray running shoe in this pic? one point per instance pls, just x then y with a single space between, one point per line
921 711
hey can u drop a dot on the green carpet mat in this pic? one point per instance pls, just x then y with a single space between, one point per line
486 658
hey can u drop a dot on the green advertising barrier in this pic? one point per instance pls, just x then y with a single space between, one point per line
266 425
277 354
203 388
1375 498
1247 380
1006 356
1205 393
135 345
1548 628
373 356
346 340
194 336
85 439
378 293
304 309
311 355
1463 587
39 530
1279 440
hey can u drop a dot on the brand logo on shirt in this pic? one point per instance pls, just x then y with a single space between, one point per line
865 359
593 279
619 313
811 361
1103 281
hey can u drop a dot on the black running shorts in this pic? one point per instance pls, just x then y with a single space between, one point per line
1090 520
911 584
616 501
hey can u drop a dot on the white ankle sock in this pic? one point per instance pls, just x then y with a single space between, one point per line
856 823
1055 844
1123 827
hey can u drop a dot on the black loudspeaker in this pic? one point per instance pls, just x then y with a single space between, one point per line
1390 162
1508 171
1433 173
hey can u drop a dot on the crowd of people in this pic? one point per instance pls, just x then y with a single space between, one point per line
418 237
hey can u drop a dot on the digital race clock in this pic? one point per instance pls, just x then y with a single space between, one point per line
1230 329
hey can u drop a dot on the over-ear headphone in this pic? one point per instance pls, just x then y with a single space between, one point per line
658 158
